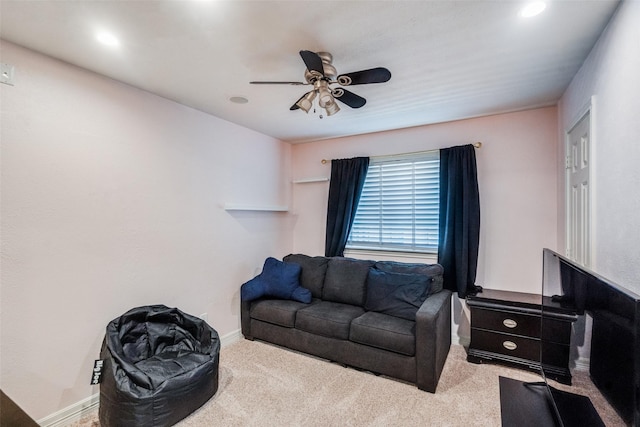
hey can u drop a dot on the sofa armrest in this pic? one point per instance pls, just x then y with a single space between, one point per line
433 339
245 319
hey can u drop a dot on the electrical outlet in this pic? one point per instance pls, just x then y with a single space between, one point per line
6 74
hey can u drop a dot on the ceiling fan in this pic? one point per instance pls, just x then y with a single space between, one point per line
321 74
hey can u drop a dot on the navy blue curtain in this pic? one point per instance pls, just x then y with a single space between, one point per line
459 228
347 180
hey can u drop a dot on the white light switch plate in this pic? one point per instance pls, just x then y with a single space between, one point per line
6 74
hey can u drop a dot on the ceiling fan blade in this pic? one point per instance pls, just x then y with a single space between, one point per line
349 98
278 83
374 75
312 61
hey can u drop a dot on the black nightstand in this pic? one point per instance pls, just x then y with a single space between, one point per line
505 328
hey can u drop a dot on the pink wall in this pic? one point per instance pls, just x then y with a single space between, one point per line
113 198
517 179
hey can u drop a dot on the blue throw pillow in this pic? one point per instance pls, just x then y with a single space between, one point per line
278 279
396 294
253 289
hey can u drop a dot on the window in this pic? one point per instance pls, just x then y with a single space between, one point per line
398 209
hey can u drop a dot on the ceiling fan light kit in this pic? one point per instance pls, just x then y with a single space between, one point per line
306 102
331 108
320 73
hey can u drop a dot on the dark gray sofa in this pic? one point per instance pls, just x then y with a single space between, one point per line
337 326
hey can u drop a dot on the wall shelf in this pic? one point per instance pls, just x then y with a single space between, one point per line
309 180
260 208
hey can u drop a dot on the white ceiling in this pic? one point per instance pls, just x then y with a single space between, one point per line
449 59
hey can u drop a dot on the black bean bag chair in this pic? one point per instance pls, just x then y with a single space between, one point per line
160 365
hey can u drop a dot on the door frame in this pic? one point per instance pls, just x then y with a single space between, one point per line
588 109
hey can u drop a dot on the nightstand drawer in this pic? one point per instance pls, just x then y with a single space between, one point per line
507 322
506 344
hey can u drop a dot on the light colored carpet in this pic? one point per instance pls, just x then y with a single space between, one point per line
264 385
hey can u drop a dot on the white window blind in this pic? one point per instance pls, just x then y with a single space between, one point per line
399 206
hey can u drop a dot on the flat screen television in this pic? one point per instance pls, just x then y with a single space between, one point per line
605 343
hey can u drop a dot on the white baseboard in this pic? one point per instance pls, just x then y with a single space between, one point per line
72 413
582 364
230 338
75 412
460 340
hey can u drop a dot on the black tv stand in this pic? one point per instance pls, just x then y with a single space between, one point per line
536 384
575 410
527 404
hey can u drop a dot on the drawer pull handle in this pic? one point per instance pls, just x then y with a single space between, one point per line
510 323
509 345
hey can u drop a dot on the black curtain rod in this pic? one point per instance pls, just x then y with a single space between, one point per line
475 144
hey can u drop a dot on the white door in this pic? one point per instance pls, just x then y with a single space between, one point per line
578 192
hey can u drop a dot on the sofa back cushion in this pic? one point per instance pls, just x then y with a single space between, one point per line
433 271
346 280
396 294
313 271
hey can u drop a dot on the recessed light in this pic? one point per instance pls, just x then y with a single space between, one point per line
107 39
238 99
532 9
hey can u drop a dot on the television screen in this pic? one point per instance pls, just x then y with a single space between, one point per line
604 347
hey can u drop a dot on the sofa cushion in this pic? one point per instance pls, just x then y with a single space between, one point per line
313 271
385 332
396 294
328 319
277 311
278 279
346 280
434 271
